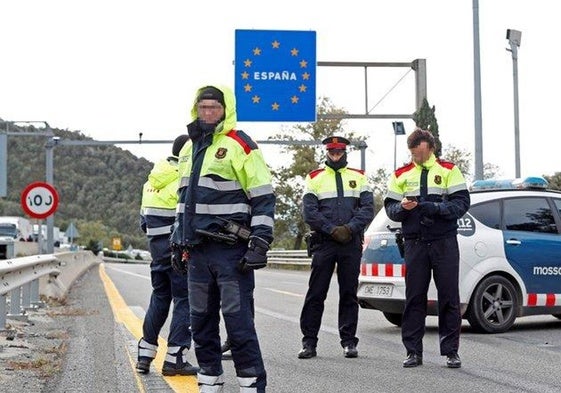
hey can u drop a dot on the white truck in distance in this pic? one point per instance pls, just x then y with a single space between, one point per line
18 228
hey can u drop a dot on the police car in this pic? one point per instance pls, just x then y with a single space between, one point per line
510 257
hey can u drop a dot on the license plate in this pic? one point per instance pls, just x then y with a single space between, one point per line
378 290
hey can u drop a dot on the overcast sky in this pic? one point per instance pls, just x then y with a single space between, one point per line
112 69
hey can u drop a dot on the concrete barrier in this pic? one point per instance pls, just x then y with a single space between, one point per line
72 265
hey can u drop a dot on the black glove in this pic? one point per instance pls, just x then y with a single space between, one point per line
342 234
179 258
429 209
255 256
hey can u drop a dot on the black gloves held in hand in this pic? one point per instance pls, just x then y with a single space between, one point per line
255 256
179 258
429 209
342 234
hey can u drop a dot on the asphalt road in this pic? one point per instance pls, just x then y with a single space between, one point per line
103 316
525 359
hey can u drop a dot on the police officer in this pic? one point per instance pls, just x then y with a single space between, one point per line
157 215
428 196
338 207
223 177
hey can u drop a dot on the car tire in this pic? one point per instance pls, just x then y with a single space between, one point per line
493 306
394 318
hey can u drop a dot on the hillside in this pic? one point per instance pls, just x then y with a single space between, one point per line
99 186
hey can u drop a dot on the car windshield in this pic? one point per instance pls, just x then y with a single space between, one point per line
8 230
381 222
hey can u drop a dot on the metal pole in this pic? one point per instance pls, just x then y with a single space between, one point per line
477 95
514 38
516 119
49 147
394 150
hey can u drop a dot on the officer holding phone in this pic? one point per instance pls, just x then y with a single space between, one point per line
428 196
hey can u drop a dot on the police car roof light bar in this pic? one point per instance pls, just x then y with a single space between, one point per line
527 183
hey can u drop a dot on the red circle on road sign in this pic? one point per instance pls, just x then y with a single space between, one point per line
39 200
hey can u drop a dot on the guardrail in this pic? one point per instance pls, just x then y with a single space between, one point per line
19 277
277 259
289 259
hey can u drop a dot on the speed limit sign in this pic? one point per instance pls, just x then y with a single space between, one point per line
39 200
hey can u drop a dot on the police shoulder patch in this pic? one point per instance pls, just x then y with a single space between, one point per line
403 169
243 139
316 172
445 164
357 170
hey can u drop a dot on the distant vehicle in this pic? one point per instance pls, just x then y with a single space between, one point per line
18 228
510 257
58 237
8 230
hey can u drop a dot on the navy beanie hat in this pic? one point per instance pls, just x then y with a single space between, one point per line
211 93
178 144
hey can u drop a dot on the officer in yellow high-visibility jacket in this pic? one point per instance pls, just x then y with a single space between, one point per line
338 205
223 177
157 215
428 196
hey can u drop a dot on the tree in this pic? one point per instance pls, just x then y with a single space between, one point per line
379 182
425 119
95 233
461 158
288 180
491 171
554 181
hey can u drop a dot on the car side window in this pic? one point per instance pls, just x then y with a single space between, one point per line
488 213
528 214
558 205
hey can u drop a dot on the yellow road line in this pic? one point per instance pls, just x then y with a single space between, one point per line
124 315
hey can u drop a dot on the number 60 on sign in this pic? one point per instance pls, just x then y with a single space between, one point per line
39 200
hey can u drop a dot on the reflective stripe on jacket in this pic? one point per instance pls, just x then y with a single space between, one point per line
326 206
159 203
223 174
445 184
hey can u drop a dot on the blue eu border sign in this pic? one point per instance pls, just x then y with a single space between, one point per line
275 75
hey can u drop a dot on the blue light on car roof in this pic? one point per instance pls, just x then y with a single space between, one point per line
526 183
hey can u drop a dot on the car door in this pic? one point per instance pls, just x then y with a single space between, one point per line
532 242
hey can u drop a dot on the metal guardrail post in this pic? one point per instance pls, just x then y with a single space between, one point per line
19 277
2 312
35 300
15 302
26 296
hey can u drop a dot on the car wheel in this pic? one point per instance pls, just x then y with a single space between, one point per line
493 306
394 318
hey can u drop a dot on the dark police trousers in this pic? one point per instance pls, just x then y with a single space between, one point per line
442 258
347 259
167 285
215 282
